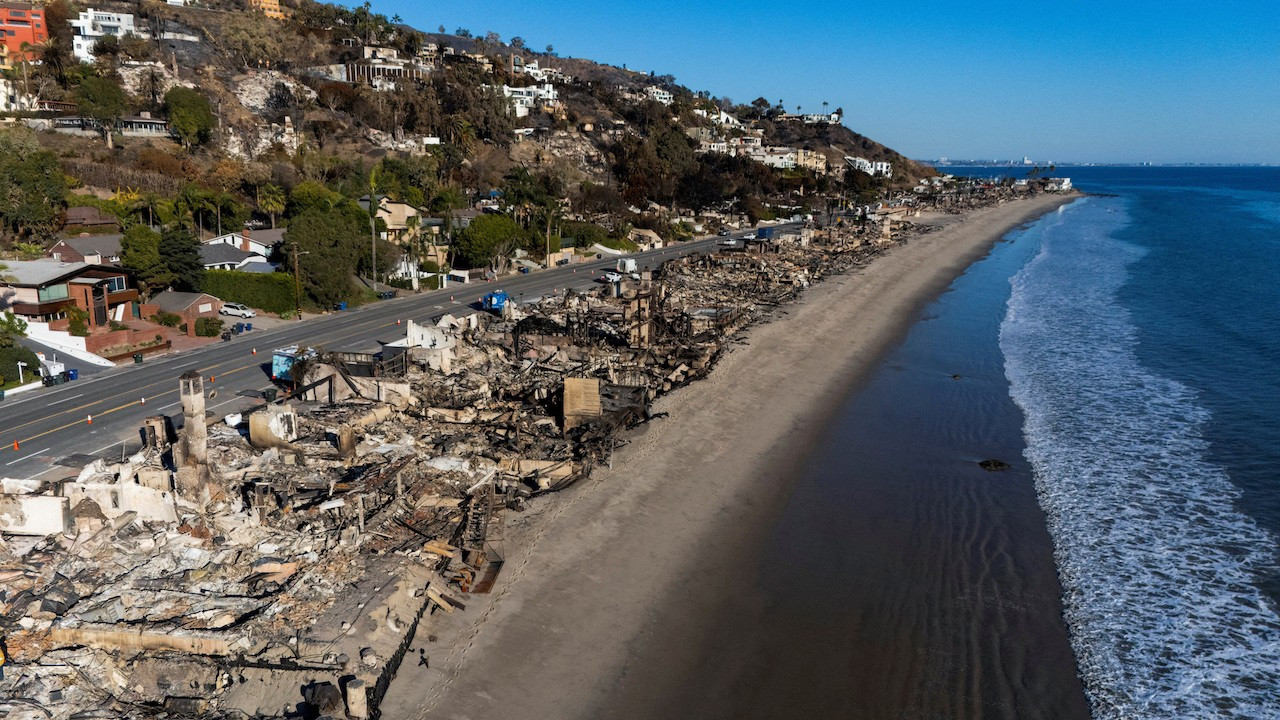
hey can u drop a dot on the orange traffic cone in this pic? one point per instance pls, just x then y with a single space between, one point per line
143 401
89 419
15 444
255 351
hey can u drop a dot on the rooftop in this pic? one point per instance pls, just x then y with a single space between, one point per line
41 272
175 302
221 253
104 245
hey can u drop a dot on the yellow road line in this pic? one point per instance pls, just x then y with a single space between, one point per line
78 422
138 391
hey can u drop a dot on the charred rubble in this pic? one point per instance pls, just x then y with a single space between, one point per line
233 561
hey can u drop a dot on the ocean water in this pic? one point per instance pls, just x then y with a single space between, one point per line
1122 355
1142 343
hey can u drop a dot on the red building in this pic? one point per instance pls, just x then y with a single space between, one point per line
21 24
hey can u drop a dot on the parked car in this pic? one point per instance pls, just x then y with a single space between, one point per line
723 233
562 262
238 310
611 277
749 236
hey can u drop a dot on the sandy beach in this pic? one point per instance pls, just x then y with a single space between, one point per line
652 550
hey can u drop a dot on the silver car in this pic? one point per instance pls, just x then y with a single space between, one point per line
237 310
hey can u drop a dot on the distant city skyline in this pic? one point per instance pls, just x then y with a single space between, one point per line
1170 82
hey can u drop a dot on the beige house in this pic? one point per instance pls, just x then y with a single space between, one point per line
646 239
397 215
811 160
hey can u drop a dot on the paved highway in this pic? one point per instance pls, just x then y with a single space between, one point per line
59 429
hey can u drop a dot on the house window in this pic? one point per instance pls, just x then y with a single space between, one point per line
116 284
52 292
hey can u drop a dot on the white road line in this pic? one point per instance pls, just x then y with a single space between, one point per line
27 457
224 402
73 397
48 469
107 447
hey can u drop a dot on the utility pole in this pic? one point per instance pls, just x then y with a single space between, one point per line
375 177
297 279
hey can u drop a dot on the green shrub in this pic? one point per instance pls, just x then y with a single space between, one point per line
114 325
271 292
78 321
166 319
9 358
208 327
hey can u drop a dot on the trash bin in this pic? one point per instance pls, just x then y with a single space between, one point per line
73 374
269 394
137 358
237 328
248 327
1 394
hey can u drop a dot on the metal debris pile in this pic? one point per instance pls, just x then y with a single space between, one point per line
224 567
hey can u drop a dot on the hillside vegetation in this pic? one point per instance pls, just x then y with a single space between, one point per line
267 128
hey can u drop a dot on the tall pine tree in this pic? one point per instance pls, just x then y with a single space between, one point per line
181 254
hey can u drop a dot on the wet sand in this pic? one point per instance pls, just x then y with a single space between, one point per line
660 587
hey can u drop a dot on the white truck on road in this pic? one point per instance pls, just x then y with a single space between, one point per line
628 266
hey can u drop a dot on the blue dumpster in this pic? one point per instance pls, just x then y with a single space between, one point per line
73 374
342 305
248 326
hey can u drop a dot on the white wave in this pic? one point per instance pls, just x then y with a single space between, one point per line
1156 563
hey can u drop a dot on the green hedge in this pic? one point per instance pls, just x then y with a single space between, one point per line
272 292
9 357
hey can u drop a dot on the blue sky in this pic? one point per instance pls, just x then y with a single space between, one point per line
1066 81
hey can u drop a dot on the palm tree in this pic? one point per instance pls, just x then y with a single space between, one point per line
411 225
220 200
447 200
24 51
149 202
271 201
191 205
551 212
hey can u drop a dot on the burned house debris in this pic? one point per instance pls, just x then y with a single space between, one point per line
225 566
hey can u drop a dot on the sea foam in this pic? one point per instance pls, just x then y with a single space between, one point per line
1156 563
